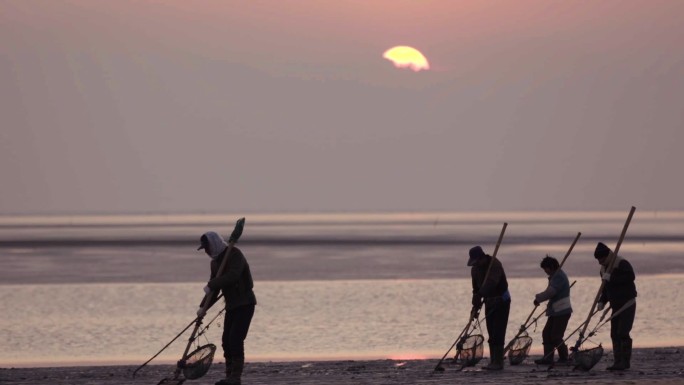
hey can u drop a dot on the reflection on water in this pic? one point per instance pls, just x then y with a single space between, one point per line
128 323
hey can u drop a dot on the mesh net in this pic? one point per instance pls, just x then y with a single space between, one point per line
520 349
198 362
471 350
586 359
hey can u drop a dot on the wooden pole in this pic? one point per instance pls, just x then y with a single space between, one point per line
496 250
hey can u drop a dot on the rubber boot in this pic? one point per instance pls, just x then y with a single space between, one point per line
229 370
562 354
627 352
548 356
229 367
617 356
625 356
235 377
496 358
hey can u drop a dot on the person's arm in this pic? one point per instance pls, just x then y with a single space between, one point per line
545 295
477 299
214 294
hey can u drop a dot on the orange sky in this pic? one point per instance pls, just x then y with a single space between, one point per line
116 106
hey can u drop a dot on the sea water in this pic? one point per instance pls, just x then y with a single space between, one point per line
116 289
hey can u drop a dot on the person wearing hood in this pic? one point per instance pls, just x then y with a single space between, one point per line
497 299
558 311
619 288
236 284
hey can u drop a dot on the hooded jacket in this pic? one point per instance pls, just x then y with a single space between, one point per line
236 282
496 285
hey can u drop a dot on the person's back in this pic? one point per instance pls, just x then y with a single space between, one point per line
236 283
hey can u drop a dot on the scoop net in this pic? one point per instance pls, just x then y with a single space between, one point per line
471 349
586 359
520 349
199 361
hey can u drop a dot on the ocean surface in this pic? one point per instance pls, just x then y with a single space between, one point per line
115 289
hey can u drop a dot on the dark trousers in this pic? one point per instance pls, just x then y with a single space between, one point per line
496 311
235 327
621 325
553 332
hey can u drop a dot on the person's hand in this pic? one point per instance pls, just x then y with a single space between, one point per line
601 305
474 312
207 289
201 312
606 277
535 302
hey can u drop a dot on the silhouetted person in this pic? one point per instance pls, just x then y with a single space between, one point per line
496 298
236 284
618 290
558 311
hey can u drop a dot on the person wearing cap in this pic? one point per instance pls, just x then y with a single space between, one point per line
236 284
558 311
619 288
497 300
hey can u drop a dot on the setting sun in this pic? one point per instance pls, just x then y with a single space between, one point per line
407 57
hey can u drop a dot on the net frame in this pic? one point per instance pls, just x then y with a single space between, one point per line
472 350
198 362
520 349
586 359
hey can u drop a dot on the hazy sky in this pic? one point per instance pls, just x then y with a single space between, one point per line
228 106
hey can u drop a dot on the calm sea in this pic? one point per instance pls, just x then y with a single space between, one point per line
115 289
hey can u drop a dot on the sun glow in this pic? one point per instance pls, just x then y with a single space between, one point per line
407 57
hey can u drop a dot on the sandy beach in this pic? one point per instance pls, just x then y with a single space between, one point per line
649 366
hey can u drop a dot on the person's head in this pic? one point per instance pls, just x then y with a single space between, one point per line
212 243
601 253
549 264
476 256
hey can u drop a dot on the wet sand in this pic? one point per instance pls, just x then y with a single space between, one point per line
649 366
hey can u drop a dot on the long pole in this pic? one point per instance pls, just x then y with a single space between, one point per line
439 367
164 348
609 269
524 326
170 342
496 250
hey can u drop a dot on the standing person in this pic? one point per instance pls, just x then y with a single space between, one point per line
619 288
558 311
496 298
236 284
